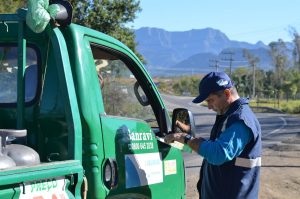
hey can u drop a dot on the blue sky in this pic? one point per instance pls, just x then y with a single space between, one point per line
241 20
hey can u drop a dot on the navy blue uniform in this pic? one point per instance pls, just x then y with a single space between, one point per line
239 177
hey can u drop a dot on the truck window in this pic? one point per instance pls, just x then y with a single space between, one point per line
117 87
9 73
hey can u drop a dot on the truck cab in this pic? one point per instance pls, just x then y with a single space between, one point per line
86 115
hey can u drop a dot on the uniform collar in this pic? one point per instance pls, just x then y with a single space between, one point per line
236 105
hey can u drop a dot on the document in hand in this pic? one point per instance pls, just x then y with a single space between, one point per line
178 145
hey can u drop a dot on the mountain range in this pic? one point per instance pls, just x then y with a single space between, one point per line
195 51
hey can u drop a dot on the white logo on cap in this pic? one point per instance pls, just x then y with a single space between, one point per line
222 82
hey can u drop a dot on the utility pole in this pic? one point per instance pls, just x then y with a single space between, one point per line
215 64
253 85
252 60
230 59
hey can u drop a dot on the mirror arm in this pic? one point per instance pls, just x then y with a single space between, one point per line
163 123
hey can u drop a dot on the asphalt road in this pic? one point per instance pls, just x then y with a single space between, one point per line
276 127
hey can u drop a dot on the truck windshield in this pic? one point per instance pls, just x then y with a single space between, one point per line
9 74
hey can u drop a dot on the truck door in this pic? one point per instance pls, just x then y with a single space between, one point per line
122 113
132 159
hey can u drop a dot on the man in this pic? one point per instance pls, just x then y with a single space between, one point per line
232 155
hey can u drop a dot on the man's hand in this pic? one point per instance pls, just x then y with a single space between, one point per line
179 137
184 127
194 143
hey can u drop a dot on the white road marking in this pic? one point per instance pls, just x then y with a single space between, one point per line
278 129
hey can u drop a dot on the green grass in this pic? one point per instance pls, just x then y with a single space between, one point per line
291 106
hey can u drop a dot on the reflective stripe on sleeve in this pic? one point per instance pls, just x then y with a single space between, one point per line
248 163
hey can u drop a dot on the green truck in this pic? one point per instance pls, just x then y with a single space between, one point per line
80 117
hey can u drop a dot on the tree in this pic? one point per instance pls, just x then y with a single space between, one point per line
11 6
253 60
186 85
280 60
109 17
292 83
296 51
239 77
269 84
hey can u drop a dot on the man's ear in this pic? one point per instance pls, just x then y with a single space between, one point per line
227 93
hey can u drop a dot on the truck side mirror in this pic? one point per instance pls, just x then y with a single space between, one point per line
183 121
64 17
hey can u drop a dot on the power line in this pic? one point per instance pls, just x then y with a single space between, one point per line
239 66
230 59
235 60
214 64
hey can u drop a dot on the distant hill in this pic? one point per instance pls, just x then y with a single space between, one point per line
198 63
177 46
192 50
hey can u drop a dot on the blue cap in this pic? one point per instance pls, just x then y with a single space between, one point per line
212 82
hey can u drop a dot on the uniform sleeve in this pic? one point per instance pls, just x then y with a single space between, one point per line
229 145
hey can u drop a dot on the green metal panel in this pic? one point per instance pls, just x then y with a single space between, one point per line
65 77
45 170
124 137
87 91
11 180
21 72
9 191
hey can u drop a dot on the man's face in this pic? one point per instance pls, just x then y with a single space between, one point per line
217 102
